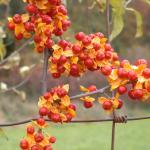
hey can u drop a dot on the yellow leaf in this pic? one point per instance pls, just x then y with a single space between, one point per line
102 99
72 112
65 100
88 99
67 53
25 17
83 89
66 87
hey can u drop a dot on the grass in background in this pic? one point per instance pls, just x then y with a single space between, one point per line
131 136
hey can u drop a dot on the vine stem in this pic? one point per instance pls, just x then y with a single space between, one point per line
108 36
47 53
75 121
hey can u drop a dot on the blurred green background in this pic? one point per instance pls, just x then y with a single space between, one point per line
18 106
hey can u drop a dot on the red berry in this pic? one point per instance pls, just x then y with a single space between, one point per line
37 39
146 73
17 19
123 62
122 73
47 95
108 55
100 35
62 59
131 94
54 60
58 32
88 104
69 117
48 33
40 49
92 88
56 75
96 46
31 8
107 47
100 56
72 106
122 89
62 10
140 62
55 117
19 36
38 137
62 93
82 56
89 63
120 104
52 139
40 121
61 69
76 49
63 43
132 75
138 93
107 105
29 26
24 144
106 70
53 2
46 19
30 129
49 43
43 111
48 147
86 41
11 26
74 70
35 147
115 57
80 36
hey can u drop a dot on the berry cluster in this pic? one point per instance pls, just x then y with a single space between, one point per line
56 105
36 140
44 18
90 52
108 104
137 77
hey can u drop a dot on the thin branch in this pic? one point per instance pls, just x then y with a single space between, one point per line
21 48
100 91
18 85
22 82
75 121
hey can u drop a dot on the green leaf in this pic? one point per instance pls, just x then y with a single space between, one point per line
139 22
2 49
118 23
117 3
147 1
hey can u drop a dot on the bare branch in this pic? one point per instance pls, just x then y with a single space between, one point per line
22 82
16 51
100 91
